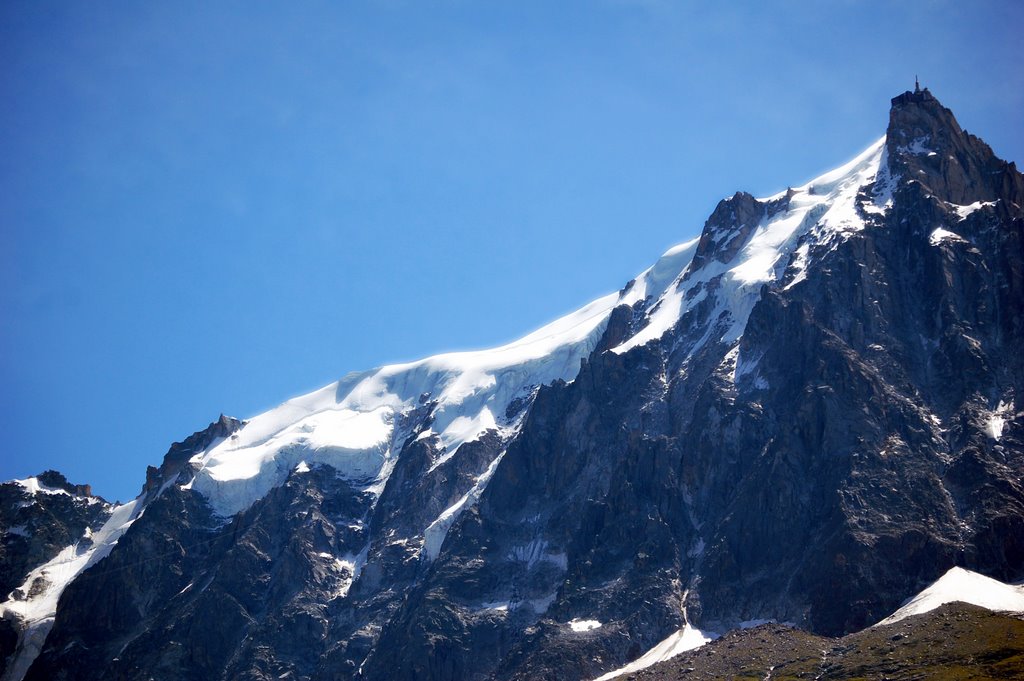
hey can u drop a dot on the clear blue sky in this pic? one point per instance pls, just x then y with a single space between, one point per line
213 207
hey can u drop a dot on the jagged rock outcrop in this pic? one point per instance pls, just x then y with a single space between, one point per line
180 452
806 415
39 517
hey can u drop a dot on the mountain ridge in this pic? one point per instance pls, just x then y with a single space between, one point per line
801 415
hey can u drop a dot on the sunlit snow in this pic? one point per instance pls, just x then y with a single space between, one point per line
823 209
940 234
964 211
33 486
351 424
584 625
356 424
965 586
433 536
677 642
35 602
996 421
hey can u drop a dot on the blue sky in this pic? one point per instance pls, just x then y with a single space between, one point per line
213 207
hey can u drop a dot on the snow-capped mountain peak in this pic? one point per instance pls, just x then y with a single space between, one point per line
358 424
826 377
749 242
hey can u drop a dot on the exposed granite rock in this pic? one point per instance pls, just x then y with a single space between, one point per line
926 144
834 461
34 528
180 452
728 228
56 480
848 467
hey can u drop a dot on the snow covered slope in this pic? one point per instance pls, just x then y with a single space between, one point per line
355 424
676 643
359 424
811 379
819 212
51 509
35 603
964 586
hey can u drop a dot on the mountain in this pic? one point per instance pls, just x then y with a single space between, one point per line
806 415
51 531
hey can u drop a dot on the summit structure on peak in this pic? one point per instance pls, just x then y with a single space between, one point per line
918 95
806 414
926 144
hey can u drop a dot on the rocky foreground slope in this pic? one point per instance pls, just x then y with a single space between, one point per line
806 415
957 641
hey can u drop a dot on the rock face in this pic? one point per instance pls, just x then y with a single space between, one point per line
39 517
807 415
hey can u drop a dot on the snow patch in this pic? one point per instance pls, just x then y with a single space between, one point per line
33 486
918 147
885 184
537 552
799 265
964 211
541 605
750 624
668 305
34 603
994 427
996 420
820 211
347 568
433 536
940 234
677 642
584 625
744 366
964 586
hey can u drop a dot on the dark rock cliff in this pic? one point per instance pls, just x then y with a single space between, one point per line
860 438
36 526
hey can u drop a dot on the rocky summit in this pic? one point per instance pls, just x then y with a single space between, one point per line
805 416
